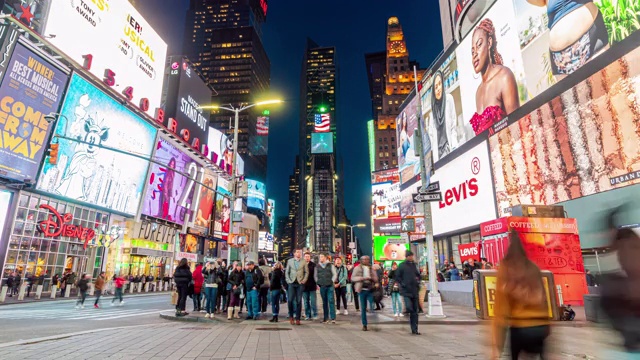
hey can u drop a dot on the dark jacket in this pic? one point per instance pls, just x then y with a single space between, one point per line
277 279
236 278
257 277
408 277
83 285
311 285
182 276
211 276
392 279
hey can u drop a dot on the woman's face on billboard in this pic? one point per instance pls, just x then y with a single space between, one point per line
480 50
437 87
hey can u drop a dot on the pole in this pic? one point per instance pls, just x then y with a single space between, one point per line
233 177
435 302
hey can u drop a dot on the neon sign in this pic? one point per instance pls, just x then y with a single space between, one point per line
60 225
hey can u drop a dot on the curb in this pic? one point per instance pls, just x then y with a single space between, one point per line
74 299
63 336
192 319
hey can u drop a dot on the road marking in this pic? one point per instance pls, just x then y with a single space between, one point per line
138 314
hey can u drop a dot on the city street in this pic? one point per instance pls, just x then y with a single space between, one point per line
220 340
27 321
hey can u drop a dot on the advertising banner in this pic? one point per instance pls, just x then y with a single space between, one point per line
31 89
205 201
186 93
111 36
382 176
386 201
87 172
469 251
222 217
389 248
265 241
583 142
169 193
322 143
271 213
467 192
408 158
259 143
257 195
386 226
221 152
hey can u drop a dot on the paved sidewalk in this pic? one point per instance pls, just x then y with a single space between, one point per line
307 342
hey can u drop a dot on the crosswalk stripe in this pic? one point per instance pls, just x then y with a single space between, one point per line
72 314
129 315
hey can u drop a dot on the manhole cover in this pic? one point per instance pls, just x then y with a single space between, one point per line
195 328
273 329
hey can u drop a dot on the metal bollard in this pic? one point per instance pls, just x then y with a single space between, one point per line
3 293
146 287
39 289
67 291
91 289
23 290
54 290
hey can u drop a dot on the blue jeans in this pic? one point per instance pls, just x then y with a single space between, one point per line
366 297
275 302
328 304
253 305
294 295
310 306
396 304
211 293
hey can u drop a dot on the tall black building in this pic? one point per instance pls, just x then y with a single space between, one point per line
223 39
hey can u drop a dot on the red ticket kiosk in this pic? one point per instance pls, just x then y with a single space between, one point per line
552 243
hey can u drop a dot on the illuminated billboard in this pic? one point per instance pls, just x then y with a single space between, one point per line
322 143
221 152
170 193
257 195
205 200
31 89
265 241
186 94
385 205
259 143
389 248
271 213
582 142
114 42
371 136
88 173
222 217
406 136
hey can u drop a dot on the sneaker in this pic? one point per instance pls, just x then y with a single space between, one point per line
82 306
307 318
315 318
396 315
345 312
96 306
333 321
206 316
77 306
211 316
401 314
325 321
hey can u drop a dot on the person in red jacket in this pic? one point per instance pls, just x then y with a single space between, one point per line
118 282
198 280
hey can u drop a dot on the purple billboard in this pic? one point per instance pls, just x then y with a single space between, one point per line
169 193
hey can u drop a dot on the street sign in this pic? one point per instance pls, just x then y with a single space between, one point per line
404 238
408 225
434 186
419 198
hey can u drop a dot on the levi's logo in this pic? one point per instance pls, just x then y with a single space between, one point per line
461 192
469 251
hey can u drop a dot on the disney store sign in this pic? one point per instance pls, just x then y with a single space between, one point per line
60 225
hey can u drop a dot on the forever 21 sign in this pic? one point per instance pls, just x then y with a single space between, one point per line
153 231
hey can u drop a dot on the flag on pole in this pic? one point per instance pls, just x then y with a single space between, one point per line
262 126
323 123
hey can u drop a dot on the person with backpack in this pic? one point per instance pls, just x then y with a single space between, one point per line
83 286
326 277
263 296
118 282
253 280
182 277
394 288
341 285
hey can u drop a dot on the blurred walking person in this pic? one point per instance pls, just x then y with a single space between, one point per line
263 295
182 277
520 305
83 286
621 289
341 285
309 295
211 283
99 285
236 281
408 277
296 274
365 281
276 283
394 288
118 282
326 278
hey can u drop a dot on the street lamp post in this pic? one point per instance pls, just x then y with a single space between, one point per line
351 228
236 111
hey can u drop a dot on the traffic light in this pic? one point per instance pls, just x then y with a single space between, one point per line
53 154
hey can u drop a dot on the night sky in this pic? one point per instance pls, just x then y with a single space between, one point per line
354 27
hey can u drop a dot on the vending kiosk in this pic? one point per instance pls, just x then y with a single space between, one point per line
552 243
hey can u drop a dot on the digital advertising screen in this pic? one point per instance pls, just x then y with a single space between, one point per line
406 134
111 35
265 241
257 195
389 248
386 200
169 193
271 212
86 171
186 94
259 143
222 217
205 200
322 143
221 151
583 142
31 89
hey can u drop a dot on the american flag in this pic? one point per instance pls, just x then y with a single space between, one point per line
323 123
262 126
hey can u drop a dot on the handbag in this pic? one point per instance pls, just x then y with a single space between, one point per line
174 298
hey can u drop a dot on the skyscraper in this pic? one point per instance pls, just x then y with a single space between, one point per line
319 211
397 82
223 39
